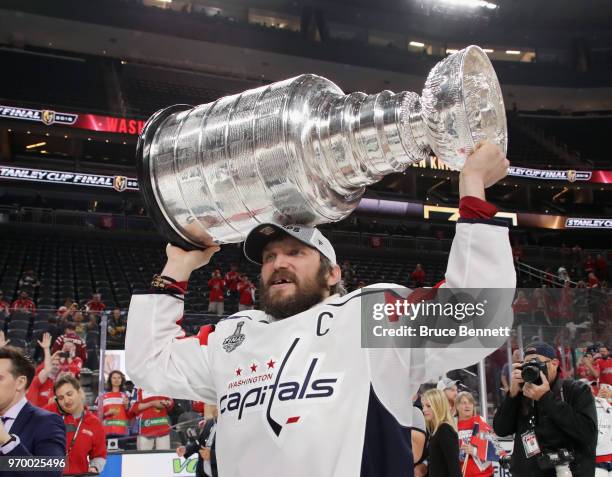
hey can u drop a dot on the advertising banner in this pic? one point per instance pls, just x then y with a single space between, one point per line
151 464
92 122
391 208
119 183
564 175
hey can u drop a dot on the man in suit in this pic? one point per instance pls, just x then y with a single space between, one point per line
25 430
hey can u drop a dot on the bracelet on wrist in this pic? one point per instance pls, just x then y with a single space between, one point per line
161 281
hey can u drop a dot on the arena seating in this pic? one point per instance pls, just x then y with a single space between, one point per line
73 266
144 97
78 83
525 151
587 135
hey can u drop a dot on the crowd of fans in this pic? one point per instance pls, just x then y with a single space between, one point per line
569 307
574 266
121 412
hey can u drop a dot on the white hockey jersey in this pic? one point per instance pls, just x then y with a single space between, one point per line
300 396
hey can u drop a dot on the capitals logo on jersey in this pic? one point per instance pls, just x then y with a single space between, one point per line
310 385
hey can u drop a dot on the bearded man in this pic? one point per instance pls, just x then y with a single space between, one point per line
296 392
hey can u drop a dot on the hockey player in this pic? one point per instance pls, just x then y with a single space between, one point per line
296 392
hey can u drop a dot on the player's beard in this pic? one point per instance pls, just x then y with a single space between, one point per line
307 294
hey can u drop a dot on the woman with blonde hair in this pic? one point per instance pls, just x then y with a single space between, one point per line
444 442
467 419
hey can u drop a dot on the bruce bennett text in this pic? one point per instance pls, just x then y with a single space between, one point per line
428 332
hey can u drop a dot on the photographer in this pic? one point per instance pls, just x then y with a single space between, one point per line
547 415
70 336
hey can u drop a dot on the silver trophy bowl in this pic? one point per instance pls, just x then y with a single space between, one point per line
301 151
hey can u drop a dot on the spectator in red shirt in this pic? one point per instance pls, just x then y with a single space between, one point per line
418 276
154 421
586 368
40 391
95 305
85 439
24 303
70 336
115 406
593 281
68 361
231 279
466 419
246 289
215 300
604 365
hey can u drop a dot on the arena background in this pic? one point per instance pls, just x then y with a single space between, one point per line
79 79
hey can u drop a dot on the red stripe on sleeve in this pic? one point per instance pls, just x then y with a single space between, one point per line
475 208
204 332
181 287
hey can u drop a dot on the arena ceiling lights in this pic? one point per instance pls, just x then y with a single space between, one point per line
470 4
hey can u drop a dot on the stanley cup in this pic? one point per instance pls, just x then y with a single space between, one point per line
301 151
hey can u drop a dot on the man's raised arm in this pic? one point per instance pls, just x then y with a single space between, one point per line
480 256
159 359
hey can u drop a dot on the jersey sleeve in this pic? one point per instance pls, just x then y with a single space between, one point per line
159 358
480 257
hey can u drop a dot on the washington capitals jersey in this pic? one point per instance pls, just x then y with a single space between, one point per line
300 396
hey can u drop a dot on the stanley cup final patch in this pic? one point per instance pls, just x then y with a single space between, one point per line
235 339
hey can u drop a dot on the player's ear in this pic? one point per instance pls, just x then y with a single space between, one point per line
335 274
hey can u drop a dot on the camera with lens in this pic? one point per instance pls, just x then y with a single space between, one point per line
530 371
559 460
505 461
